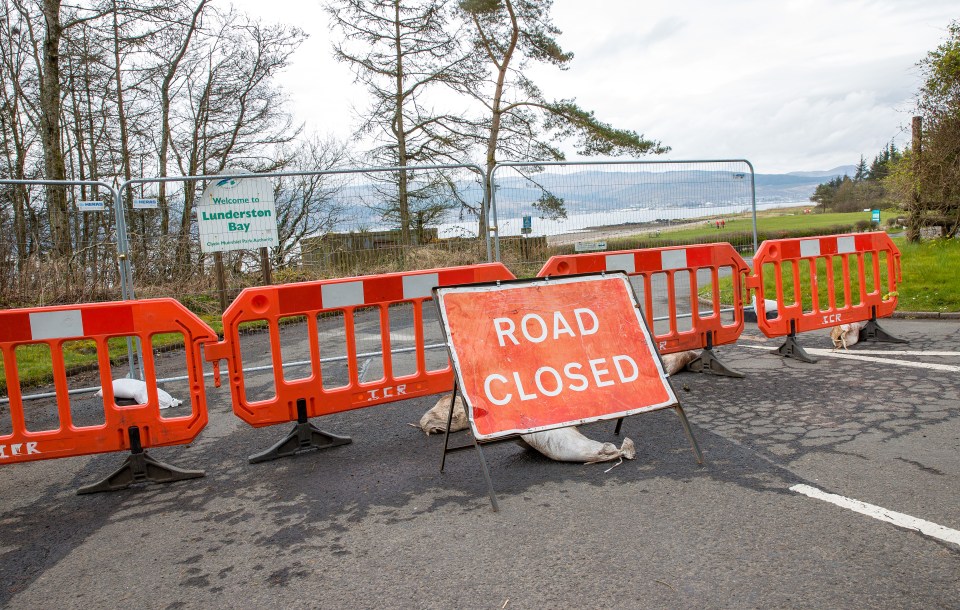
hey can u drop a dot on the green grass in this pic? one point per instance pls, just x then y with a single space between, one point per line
929 280
771 224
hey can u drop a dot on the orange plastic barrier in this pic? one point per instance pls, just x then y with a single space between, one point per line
297 400
707 328
125 427
811 273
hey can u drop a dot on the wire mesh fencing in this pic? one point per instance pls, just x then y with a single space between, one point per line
544 209
332 223
60 243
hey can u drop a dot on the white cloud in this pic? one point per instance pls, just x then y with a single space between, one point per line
796 85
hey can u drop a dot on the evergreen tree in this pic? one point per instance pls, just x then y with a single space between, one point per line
861 172
401 51
519 122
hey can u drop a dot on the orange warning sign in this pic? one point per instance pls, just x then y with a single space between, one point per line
538 354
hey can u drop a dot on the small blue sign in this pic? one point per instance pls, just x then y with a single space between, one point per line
527 225
875 216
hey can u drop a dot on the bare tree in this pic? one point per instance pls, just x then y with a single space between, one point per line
232 112
401 51
308 205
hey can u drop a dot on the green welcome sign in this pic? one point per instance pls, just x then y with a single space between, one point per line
237 214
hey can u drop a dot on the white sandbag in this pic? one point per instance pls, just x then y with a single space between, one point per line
769 306
435 420
563 444
846 335
569 445
136 390
674 363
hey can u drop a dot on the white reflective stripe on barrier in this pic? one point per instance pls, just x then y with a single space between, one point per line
345 294
809 247
56 324
418 286
621 262
673 259
846 245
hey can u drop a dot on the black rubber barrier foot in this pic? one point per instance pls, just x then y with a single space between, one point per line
303 437
140 468
708 363
792 349
875 333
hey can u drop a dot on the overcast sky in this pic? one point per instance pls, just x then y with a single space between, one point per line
789 85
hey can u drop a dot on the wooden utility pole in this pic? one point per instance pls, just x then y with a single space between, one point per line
221 280
265 265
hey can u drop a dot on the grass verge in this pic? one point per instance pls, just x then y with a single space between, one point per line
929 280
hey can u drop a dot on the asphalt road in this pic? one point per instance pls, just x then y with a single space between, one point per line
375 524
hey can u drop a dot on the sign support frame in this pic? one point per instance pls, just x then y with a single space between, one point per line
483 460
678 407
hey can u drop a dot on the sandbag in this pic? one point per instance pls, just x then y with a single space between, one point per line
569 445
435 420
674 363
846 335
136 390
563 444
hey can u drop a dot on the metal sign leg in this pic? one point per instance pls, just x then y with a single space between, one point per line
448 449
689 431
486 477
446 434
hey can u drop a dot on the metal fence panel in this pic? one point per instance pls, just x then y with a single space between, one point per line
331 223
81 262
541 209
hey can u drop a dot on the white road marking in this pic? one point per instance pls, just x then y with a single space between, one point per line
882 514
813 351
881 352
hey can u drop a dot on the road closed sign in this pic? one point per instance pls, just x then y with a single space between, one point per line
539 354
237 214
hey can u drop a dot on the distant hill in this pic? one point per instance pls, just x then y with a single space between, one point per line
614 189
611 190
843 170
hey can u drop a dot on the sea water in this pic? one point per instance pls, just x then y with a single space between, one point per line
510 222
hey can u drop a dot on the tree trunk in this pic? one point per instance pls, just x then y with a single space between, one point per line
497 114
403 203
50 111
140 245
165 115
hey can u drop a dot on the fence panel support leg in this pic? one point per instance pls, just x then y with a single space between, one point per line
140 468
792 349
875 333
304 436
707 362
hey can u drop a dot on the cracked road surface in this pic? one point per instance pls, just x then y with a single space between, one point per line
375 524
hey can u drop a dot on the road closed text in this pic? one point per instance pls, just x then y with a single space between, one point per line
501 388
